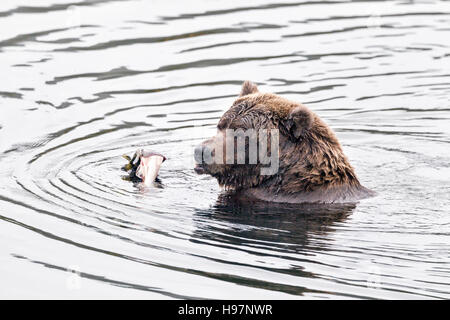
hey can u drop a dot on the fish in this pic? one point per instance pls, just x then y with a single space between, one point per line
143 167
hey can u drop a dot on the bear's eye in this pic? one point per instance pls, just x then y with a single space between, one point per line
242 122
236 124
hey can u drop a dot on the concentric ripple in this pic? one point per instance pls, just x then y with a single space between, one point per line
89 81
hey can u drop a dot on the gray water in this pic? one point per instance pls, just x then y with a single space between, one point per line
84 82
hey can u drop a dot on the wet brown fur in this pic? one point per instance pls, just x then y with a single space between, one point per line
312 167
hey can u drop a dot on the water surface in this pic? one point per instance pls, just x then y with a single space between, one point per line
85 82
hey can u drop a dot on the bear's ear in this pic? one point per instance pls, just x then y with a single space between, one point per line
248 87
299 121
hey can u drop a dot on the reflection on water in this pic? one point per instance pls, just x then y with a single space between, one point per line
88 81
284 226
281 229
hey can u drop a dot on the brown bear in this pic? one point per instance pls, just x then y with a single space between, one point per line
311 166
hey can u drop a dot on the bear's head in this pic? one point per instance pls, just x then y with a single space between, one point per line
267 141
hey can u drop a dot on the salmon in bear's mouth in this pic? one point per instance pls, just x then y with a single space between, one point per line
143 166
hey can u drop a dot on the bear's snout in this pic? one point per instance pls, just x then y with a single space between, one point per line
203 155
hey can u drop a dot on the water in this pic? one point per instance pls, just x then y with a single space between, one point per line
85 82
